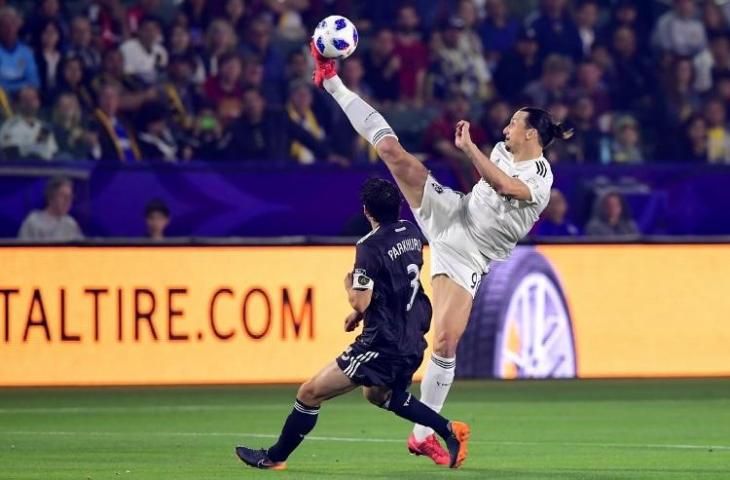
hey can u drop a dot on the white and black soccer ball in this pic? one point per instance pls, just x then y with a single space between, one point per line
335 37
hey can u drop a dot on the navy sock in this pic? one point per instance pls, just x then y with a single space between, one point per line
299 423
409 407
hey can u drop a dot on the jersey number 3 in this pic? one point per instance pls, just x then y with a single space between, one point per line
415 283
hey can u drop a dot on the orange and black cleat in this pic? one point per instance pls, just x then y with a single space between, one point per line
457 443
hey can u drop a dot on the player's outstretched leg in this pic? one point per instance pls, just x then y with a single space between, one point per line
328 383
408 171
451 308
402 403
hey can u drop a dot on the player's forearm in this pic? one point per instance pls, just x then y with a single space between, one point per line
494 176
359 301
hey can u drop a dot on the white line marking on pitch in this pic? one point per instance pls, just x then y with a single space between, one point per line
366 440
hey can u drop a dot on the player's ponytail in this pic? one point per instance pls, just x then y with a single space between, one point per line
561 131
547 129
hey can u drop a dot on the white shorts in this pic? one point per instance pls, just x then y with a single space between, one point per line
454 252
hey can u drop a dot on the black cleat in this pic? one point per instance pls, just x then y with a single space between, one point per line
258 459
457 443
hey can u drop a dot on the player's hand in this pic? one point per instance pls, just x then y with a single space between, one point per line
352 321
462 139
348 281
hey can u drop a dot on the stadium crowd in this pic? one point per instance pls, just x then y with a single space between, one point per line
229 80
171 80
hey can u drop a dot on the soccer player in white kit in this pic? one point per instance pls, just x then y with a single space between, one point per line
466 232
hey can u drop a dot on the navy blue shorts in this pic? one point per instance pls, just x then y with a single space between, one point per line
371 368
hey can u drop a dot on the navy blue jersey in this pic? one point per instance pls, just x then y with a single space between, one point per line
388 261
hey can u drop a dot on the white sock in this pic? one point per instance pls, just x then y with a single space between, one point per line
435 387
367 121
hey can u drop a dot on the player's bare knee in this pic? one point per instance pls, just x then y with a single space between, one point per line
308 394
376 396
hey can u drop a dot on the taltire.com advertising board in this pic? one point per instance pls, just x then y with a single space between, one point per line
210 315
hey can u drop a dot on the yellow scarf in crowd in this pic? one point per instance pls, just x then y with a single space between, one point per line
309 122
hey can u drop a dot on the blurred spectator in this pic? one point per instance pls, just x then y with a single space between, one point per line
611 217
17 63
382 67
679 32
25 135
585 143
258 43
48 54
179 45
586 19
75 142
47 11
207 135
155 139
712 62
198 16
713 19
680 98
412 54
289 23
694 146
498 31
132 93
144 55
518 66
589 83
220 39
139 11
236 14
553 221
626 143
299 109
456 67
263 133
108 20
552 84
717 131
116 137
227 84
467 12
53 223
72 81
556 31
180 94
633 79
439 137
81 45
626 14
156 218
497 116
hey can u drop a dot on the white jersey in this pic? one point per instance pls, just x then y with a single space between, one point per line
496 222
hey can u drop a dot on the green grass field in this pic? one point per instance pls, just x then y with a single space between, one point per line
657 429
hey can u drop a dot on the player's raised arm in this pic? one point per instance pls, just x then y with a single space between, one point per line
500 181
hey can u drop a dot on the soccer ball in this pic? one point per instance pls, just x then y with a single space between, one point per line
335 37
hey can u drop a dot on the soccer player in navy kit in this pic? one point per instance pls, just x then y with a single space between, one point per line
385 291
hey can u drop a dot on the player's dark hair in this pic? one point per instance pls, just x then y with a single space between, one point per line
547 129
381 199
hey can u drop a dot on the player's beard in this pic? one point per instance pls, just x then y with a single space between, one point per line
507 146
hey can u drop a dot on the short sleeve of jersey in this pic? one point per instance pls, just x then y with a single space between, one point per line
367 265
538 180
